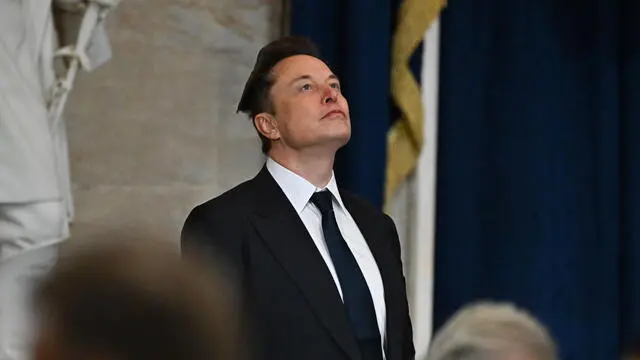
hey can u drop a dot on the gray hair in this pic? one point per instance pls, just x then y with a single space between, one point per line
481 331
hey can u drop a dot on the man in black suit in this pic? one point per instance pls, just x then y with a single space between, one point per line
320 269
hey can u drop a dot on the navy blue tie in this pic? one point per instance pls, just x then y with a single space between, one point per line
355 292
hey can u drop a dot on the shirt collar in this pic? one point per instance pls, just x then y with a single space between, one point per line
296 188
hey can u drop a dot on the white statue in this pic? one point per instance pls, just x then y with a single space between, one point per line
35 194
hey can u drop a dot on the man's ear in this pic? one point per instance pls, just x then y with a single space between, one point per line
266 124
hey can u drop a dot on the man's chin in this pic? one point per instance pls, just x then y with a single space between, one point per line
333 141
340 140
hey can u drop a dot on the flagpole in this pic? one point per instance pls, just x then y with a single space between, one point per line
421 272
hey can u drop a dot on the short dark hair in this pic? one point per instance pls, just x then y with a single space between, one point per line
138 301
255 98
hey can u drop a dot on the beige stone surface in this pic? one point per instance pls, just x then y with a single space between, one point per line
155 212
154 131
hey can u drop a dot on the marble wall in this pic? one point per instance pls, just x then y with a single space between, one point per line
154 131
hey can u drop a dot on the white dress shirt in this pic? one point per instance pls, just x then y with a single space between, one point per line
298 190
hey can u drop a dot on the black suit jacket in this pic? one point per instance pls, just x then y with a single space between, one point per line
294 306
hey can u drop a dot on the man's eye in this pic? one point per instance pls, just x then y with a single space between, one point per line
335 86
306 87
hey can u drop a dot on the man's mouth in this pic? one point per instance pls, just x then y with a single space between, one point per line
333 113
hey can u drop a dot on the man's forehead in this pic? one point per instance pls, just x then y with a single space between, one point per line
301 65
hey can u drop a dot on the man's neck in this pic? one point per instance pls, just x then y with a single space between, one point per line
312 167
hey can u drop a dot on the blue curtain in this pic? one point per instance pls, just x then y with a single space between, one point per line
538 198
630 148
354 37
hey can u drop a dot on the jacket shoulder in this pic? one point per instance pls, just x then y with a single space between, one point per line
368 211
233 201
362 205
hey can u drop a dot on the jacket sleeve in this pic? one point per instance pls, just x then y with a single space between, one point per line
215 237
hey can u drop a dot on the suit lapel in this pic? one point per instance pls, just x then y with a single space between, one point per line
285 234
377 237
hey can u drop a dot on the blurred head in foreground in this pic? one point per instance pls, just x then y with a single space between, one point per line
490 331
133 301
632 352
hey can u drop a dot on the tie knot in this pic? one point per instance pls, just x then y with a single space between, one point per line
322 199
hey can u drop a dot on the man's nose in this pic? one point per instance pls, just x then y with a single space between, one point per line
330 95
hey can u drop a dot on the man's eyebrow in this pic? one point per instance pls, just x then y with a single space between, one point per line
308 77
303 77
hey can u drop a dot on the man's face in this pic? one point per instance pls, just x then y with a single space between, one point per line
310 110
